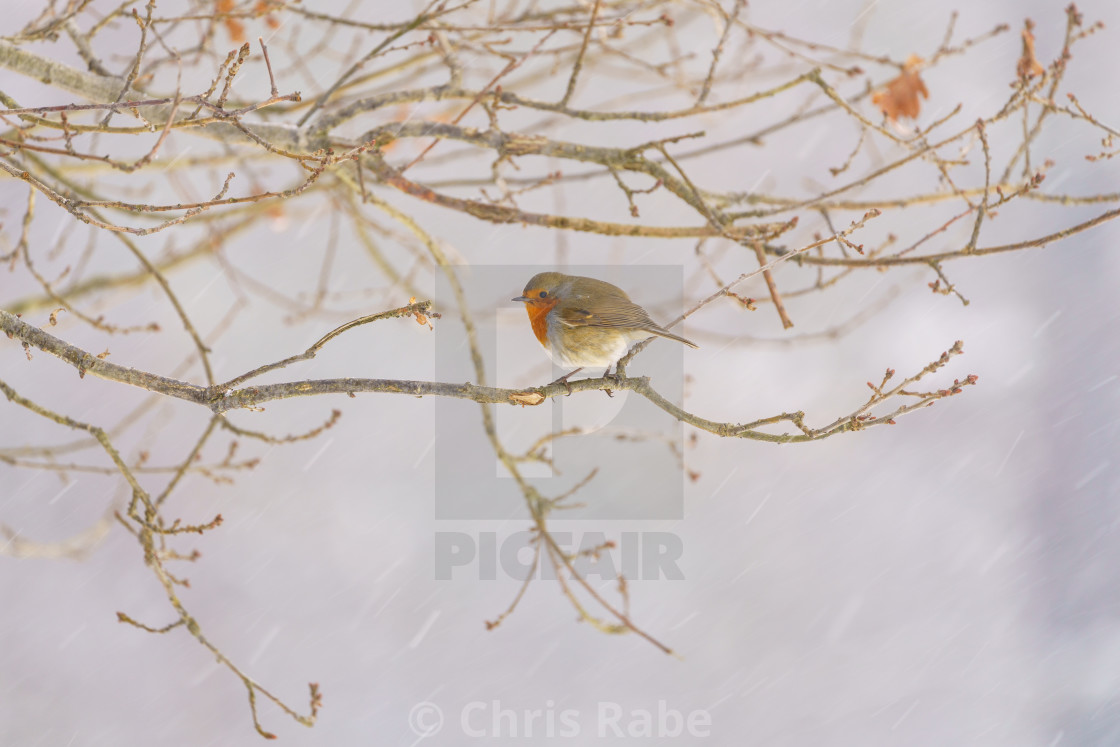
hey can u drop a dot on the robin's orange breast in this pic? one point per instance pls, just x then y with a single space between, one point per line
538 317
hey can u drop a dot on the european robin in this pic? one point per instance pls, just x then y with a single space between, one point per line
586 322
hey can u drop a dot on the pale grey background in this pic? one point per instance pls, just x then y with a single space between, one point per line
950 580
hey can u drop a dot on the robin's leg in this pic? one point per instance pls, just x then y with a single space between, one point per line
608 375
564 380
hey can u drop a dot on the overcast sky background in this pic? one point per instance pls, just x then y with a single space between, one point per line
949 580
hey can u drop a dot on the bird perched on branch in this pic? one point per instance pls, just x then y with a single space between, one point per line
586 322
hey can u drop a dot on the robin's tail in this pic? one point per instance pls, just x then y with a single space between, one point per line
666 333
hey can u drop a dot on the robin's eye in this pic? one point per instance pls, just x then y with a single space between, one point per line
543 294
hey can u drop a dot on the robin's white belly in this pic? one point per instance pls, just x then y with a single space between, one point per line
604 351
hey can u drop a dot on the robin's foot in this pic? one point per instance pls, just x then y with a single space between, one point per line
564 380
608 375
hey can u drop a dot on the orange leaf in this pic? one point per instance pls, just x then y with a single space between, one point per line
234 27
264 6
526 398
902 96
1028 66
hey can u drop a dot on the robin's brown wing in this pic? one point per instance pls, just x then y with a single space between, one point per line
611 310
606 311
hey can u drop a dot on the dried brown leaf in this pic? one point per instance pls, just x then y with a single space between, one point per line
234 27
1029 65
526 398
265 7
902 96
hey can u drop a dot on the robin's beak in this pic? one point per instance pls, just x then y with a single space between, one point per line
521 298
